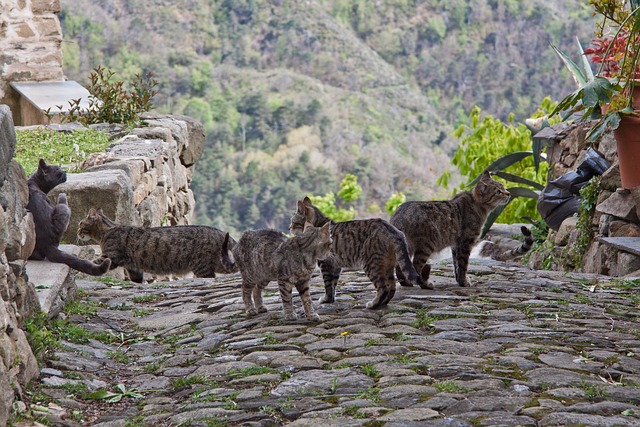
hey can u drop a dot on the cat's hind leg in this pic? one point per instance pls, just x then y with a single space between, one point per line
420 263
60 217
461 255
330 274
257 297
135 276
247 291
307 304
286 295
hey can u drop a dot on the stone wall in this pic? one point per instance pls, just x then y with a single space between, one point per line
30 45
616 215
18 300
142 178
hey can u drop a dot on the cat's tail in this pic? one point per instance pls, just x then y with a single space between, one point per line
54 254
226 256
403 259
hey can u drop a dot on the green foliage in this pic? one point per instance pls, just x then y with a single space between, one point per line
349 192
574 254
42 340
111 101
394 201
58 148
486 143
116 395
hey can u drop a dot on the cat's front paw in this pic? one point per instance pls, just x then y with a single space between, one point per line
290 316
327 299
405 283
314 317
262 309
465 283
425 285
252 312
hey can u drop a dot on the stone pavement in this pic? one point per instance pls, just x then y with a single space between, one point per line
519 348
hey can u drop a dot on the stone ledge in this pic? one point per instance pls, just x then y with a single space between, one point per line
626 244
55 283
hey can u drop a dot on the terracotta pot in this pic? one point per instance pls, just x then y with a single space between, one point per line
627 137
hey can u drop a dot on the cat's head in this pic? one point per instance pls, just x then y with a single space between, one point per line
306 212
490 192
321 237
93 226
226 256
46 177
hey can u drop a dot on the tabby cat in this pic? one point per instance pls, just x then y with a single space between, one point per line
52 221
266 255
373 245
499 250
434 225
159 250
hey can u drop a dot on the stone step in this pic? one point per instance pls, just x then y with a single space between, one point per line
55 283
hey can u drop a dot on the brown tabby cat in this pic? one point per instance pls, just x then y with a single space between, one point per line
51 221
160 250
371 244
266 255
434 225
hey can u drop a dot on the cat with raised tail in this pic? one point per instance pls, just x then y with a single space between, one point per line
51 221
373 245
175 249
266 255
430 226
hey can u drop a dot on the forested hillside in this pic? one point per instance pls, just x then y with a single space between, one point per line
295 94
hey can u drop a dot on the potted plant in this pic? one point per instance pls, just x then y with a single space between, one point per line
612 95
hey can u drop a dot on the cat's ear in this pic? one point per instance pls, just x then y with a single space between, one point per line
92 212
41 164
100 212
486 176
325 230
301 208
307 201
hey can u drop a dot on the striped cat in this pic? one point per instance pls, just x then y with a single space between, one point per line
372 245
266 255
502 249
434 225
159 250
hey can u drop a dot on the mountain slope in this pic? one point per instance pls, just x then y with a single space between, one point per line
294 94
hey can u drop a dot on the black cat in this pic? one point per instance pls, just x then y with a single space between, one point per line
51 221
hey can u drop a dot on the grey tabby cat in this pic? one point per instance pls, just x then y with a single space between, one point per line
266 255
373 245
159 250
431 226
498 248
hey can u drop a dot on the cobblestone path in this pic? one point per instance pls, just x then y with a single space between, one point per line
519 348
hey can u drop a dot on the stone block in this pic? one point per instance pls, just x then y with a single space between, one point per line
47 26
131 147
134 168
45 6
623 229
610 179
596 258
188 133
7 141
607 147
565 230
621 205
625 264
56 283
106 189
